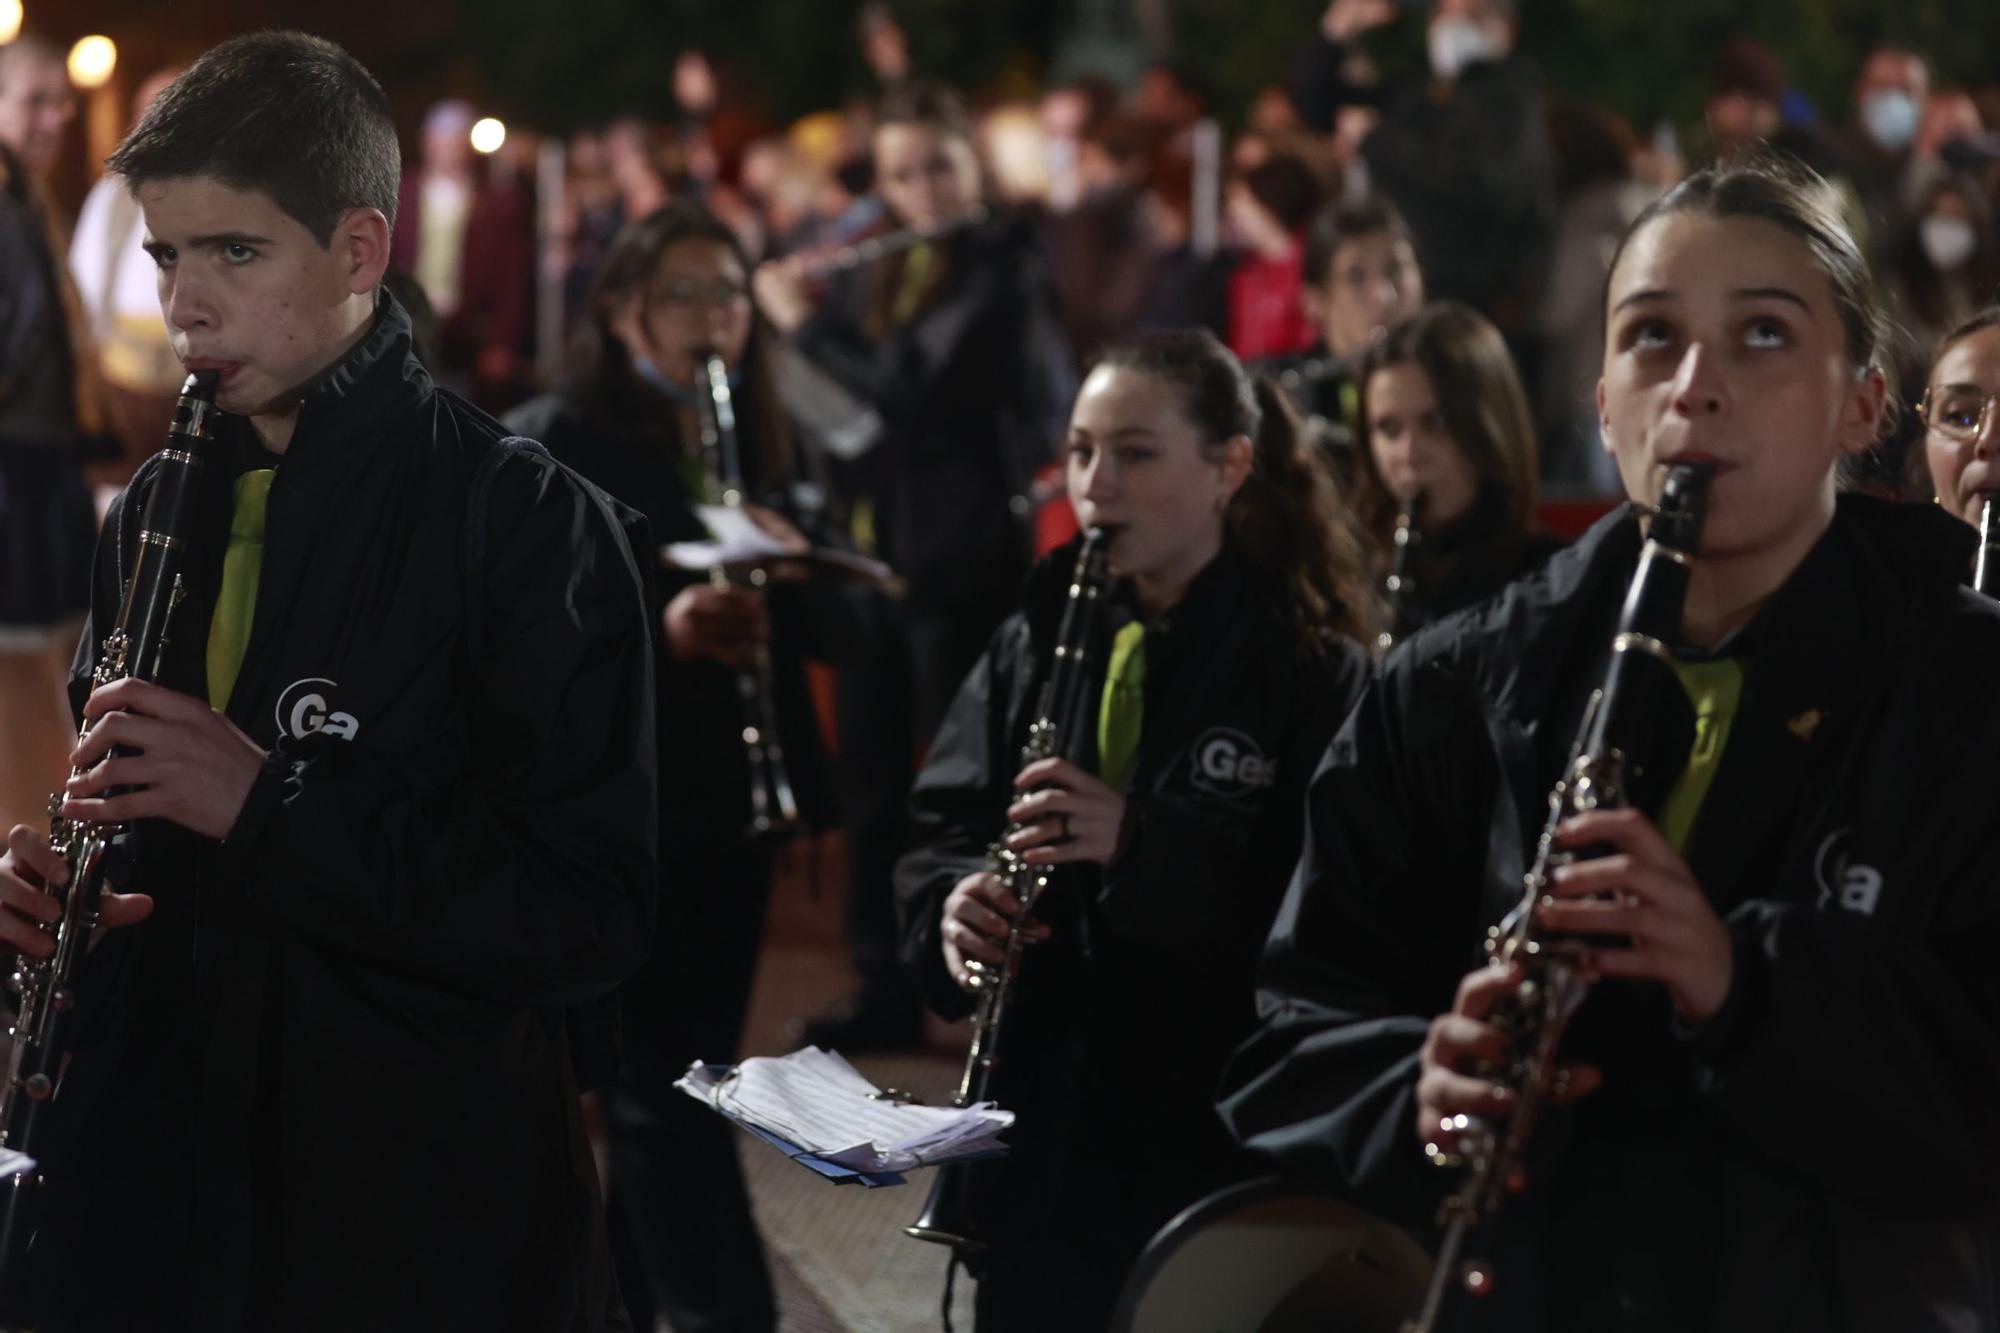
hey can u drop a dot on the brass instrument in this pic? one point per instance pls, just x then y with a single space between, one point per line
46 1002
774 810
1986 567
1401 585
869 249
1062 718
1603 771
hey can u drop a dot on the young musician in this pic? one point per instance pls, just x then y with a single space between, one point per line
953 341
1229 658
390 804
1361 279
1445 418
1781 1084
1961 422
674 286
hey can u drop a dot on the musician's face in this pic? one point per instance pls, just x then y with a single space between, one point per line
698 298
1413 447
1372 283
1962 435
1139 467
1723 344
247 290
926 176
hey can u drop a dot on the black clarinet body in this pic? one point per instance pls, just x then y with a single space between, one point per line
1063 716
43 989
1606 771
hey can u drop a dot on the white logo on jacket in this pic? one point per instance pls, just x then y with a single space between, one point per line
1851 885
304 710
1230 764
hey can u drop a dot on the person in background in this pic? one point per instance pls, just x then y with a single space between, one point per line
1600 195
1946 263
1878 147
954 342
117 286
674 285
1960 410
1362 278
1446 419
1463 153
48 402
1102 250
469 241
1270 206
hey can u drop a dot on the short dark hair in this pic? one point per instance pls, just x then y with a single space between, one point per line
1344 222
286 113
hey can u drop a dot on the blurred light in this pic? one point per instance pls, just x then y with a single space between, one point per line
488 135
10 20
91 61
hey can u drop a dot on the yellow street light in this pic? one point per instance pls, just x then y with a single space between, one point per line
10 20
488 135
91 61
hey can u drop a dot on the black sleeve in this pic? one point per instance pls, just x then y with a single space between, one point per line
526 875
1376 929
1319 85
25 314
957 808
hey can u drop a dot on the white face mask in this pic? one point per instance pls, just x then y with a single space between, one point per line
1949 242
1457 42
1890 117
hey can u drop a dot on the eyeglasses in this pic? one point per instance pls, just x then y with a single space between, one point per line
689 292
1957 413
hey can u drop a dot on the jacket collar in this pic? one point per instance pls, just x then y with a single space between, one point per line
378 378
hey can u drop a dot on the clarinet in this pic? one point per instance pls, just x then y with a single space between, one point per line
1401 585
774 809
46 999
1986 568
1602 769
1061 721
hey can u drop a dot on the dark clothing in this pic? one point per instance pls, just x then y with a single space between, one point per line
1817 1155
329 1084
1146 985
47 520
1322 388
972 390
37 389
1466 563
496 267
683 1233
1472 171
1101 256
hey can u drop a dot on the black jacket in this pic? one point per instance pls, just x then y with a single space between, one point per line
705 789
1473 172
1147 984
1819 1155
971 392
328 1084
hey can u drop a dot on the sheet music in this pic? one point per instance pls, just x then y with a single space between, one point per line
822 1103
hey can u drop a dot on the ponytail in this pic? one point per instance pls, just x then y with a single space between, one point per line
1288 522
1285 520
